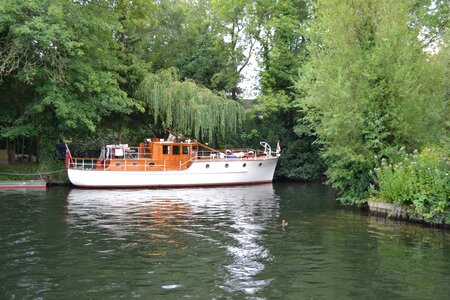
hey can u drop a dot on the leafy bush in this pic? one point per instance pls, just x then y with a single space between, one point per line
300 160
300 157
419 181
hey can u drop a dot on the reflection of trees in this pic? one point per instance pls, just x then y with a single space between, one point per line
329 252
226 223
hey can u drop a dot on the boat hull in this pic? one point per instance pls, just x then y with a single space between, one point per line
22 184
200 173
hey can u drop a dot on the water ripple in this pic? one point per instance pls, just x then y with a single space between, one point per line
231 219
212 243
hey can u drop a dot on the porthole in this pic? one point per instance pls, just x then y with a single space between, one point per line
118 165
226 165
207 166
244 165
151 164
134 164
260 164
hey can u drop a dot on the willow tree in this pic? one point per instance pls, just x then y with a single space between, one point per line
186 107
370 88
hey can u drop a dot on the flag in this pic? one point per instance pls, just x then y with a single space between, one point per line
68 157
278 149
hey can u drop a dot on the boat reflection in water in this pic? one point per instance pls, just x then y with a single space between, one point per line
229 221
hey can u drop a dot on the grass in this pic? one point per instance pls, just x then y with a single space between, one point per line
53 173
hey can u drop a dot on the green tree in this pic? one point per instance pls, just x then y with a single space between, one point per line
70 68
188 108
369 88
237 40
280 29
432 17
197 38
63 52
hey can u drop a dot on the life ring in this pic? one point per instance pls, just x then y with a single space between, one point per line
99 164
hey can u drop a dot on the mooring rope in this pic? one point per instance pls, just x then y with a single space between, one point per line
34 174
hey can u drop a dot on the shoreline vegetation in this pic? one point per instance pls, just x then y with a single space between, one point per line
412 190
400 213
54 173
348 88
417 182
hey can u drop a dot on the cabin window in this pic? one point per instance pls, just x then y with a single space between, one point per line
244 165
134 164
166 149
260 164
176 150
151 164
226 165
207 166
118 165
185 149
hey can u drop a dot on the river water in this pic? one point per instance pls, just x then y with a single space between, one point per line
212 243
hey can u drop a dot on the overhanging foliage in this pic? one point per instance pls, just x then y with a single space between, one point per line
187 107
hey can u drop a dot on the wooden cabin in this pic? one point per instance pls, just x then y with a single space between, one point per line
156 155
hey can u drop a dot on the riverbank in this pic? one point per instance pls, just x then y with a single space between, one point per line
54 173
402 213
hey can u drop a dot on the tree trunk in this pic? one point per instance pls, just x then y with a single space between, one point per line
119 134
11 150
38 151
234 94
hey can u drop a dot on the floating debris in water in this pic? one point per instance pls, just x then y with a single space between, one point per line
284 224
170 286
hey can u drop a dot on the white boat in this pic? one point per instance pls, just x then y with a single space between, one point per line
175 162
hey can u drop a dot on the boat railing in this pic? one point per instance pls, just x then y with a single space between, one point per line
119 164
137 162
231 154
185 164
83 163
